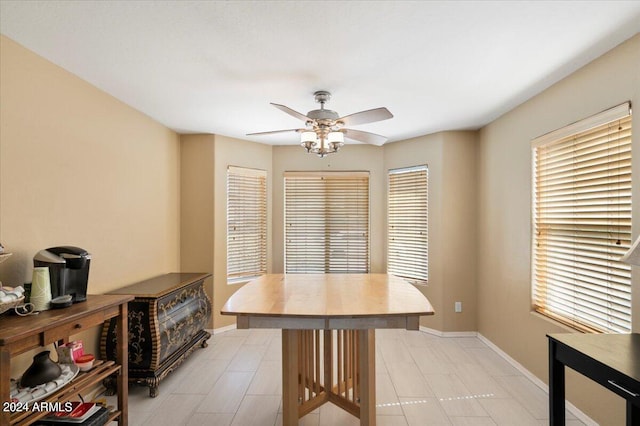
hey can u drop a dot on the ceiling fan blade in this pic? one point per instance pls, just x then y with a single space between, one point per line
291 112
360 136
273 132
368 116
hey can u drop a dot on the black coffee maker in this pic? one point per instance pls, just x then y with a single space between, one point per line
68 270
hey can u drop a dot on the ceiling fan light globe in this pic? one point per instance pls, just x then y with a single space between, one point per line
336 137
308 137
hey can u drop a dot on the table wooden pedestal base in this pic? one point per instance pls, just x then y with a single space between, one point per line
336 366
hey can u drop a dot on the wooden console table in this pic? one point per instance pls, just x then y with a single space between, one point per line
328 324
21 334
612 360
167 321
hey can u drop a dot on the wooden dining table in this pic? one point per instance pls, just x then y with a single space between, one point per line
328 324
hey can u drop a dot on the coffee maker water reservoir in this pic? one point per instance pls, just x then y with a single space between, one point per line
68 270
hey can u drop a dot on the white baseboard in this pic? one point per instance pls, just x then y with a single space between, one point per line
448 333
542 385
223 329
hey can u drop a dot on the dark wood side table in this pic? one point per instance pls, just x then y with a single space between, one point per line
612 360
21 334
167 321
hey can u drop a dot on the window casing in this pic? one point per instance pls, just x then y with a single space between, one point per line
326 222
246 224
407 232
582 223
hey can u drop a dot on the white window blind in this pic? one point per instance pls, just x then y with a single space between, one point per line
408 241
326 222
582 223
246 224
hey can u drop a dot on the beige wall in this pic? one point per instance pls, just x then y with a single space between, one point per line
78 167
459 230
205 159
504 215
234 152
204 163
451 158
414 152
197 153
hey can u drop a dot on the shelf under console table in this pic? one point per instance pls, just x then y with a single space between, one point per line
21 334
167 321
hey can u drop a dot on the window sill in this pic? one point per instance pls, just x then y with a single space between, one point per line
564 327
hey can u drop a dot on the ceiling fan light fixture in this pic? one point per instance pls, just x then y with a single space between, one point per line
336 140
336 137
308 140
321 143
324 133
308 137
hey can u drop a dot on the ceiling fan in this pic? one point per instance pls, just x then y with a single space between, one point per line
325 130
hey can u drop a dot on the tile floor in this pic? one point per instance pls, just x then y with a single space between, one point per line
421 380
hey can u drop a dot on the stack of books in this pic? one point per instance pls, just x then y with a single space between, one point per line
77 414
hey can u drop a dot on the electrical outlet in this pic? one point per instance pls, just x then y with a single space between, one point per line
458 306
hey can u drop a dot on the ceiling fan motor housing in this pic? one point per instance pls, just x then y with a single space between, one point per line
323 114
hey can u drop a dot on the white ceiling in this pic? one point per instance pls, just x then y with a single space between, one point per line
214 66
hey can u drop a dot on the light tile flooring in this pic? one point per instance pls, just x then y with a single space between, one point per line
421 380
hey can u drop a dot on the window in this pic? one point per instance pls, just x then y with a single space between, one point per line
407 246
326 222
582 223
246 224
